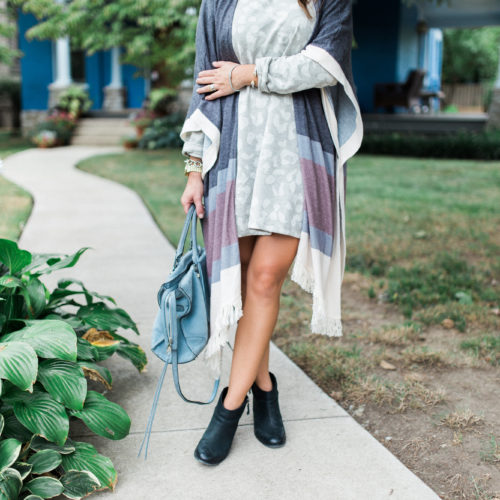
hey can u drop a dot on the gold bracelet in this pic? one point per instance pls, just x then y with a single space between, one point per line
192 166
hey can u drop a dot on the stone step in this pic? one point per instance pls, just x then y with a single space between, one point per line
101 131
104 131
104 122
97 140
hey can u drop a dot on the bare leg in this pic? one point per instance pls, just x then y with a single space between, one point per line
266 271
246 245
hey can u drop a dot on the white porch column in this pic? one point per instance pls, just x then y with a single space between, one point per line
494 111
114 92
63 63
116 69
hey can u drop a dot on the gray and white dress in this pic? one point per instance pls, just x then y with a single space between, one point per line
269 194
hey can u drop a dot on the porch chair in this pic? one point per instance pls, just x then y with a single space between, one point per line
407 94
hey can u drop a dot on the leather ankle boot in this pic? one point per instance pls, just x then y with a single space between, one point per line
267 422
216 441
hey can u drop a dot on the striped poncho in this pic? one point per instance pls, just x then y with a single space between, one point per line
329 132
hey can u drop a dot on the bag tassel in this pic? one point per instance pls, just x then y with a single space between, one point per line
149 426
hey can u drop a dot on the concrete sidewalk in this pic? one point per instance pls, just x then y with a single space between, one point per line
328 455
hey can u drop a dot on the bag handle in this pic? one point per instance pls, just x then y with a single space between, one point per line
173 339
191 221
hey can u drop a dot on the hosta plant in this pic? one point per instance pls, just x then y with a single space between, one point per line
51 342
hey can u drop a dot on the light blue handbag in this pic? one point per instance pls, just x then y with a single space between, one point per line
181 330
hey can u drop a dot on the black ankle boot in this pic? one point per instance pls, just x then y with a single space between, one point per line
267 422
216 442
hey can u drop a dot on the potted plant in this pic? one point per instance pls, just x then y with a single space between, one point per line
45 138
141 120
129 142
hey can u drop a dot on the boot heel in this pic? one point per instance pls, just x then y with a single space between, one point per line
217 439
268 423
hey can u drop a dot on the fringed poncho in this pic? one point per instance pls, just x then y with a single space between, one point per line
329 132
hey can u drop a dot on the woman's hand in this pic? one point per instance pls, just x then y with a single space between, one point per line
241 76
193 193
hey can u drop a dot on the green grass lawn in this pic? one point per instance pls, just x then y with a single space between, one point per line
15 203
424 230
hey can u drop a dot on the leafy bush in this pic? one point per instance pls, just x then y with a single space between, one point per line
464 145
163 132
56 130
74 100
161 99
47 352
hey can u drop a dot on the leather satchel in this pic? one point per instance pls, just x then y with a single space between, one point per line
181 327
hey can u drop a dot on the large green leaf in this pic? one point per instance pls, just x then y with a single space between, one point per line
9 281
41 414
65 381
44 461
59 294
49 338
104 417
86 350
97 373
10 484
35 295
33 497
102 317
23 468
134 353
45 487
9 451
86 458
12 256
39 443
48 263
14 428
18 363
103 342
78 484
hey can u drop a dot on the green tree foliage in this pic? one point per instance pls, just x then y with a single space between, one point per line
7 31
155 34
470 55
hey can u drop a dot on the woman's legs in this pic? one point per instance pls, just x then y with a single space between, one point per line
246 245
265 264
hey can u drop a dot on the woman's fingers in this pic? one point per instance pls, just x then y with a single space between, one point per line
215 95
204 89
200 211
207 72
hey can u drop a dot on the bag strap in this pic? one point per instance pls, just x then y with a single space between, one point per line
149 426
191 215
175 366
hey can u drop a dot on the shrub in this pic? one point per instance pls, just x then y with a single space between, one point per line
163 133
56 130
74 100
464 145
47 351
161 99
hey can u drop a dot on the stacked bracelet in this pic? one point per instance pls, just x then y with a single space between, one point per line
192 166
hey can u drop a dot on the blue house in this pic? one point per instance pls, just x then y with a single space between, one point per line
391 37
